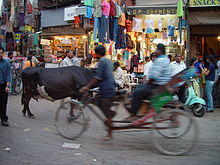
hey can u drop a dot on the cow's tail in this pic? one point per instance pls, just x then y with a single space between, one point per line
22 97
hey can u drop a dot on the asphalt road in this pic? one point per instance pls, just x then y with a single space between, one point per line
36 142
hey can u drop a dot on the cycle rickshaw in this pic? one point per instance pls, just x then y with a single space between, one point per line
173 131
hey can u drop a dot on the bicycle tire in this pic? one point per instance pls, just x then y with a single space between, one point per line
181 149
17 90
74 125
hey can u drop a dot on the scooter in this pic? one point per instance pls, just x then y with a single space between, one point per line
195 103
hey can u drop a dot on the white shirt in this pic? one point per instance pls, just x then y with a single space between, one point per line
76 61
66 62
218 64
147 68
177 67
119 77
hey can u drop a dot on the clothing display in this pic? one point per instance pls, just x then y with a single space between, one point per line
96 29
88 12
97 8
149 26
137 24
9 41
160 25
112 8
171 29
122 19
104 29
128 25
105 8
164 35
113 27
88 2
118 10
121 38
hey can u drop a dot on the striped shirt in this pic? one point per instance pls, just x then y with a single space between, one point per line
161 71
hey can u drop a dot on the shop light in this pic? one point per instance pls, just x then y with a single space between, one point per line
218 38
84 36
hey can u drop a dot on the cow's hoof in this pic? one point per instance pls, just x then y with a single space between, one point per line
24 114
32 117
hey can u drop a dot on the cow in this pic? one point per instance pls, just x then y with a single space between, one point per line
52 84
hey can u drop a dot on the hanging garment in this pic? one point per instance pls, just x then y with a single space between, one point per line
9 41
104 29
97 11
113 27
118 10
130 43
128 25
122 20
135 60
137 24
88 12
171 29
149 26
112 9
164 35
96 29
160 25
121 38
88 2
105 8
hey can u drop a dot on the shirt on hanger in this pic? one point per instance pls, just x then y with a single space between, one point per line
137 24
171 29
112 8
97 8
88 3
128 25
105 8
118 10
149 26
122 19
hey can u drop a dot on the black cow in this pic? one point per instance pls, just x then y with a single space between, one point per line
52 84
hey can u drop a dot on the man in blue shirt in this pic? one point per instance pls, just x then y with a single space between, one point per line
104 79
159 75
5 72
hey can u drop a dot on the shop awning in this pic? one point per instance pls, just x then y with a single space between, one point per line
204 16
62 30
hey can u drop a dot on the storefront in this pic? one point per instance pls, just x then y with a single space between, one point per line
64 33
204 24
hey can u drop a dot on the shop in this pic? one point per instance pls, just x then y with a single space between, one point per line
67 32
204 25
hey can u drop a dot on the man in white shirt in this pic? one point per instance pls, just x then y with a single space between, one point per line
176 67
75 60
148 66
68 60
118 75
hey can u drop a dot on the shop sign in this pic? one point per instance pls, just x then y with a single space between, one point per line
148 11
71 12
204 3
45 42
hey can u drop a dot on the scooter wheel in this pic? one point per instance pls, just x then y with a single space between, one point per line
198 110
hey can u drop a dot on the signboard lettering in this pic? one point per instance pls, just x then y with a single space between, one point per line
148 11
204 3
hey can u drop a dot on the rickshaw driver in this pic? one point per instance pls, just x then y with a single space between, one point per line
104 79
159 75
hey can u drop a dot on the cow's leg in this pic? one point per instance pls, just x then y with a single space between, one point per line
25 100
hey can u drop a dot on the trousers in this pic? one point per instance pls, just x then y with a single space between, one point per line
104 29
209 88
3 102
142 92
97 29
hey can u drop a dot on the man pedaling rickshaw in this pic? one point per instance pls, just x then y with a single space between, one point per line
104 79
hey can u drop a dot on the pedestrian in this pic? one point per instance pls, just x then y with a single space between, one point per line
210 80
5 76
176 67
33 58
118 75
195 81
68 60
104 79
76 61
216 91
29 61
148 66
